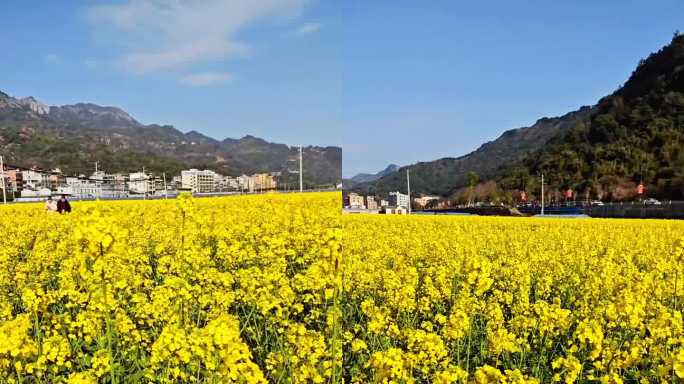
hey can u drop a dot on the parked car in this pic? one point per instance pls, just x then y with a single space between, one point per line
652 201
597 202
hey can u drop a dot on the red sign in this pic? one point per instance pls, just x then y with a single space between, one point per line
640 189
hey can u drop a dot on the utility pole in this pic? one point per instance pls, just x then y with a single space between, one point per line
166 191
301 183
2 174
144 179
542 193
97 183
408 187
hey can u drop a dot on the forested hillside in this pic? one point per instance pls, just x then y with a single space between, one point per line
634 135
604 151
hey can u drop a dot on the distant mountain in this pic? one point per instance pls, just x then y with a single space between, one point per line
93 116
368 177
445 175
634 135
73 137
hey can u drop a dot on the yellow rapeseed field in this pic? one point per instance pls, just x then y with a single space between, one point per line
511 300
286 289
216 290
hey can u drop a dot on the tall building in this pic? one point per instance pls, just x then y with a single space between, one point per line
15 179
231 183
371 203
354 200
398 199
55 179
139 182
200 181
81 188
245 183
263 181
35 179
119 180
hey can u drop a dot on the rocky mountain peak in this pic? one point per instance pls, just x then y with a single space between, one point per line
34 105
94 115
72 137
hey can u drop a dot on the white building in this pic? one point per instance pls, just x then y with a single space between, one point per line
400 210
200 181
143 183
35 180
263 181
398 199
226 184
354 200
425 200
107 185
42 192
80 188
371 203
231 183
245 183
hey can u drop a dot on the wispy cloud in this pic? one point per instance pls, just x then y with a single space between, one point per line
90 63
51 58
206 79
165 34
308 28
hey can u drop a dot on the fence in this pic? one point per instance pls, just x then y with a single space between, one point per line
637 210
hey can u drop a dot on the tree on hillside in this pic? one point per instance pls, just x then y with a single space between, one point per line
473 179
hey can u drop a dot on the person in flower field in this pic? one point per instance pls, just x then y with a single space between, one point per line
63 205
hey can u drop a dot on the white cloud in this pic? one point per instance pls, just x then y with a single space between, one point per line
51 58
308 28
207 78
165 34
90 63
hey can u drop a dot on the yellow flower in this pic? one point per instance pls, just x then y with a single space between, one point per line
679 364
569 368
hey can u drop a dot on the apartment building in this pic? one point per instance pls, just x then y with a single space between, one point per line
264 181
354 200
35 179
398 199
371 202
142 183
197 181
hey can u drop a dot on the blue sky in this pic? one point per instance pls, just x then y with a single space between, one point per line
424 80
390 81
226 68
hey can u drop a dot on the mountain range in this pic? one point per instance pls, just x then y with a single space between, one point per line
73 137
368 177
635 135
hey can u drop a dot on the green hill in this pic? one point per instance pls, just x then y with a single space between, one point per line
73 137
634 135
